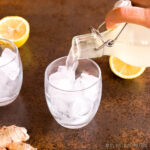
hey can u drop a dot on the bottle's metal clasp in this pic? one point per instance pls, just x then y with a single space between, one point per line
108 43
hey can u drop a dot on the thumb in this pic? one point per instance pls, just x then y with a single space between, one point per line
134 15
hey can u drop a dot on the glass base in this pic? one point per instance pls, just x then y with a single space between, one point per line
74 126
6 101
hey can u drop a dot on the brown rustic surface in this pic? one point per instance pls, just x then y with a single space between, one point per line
124 113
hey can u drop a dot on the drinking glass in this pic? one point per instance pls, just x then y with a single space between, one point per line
10 72
75 108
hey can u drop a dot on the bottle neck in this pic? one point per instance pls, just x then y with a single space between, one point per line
90 46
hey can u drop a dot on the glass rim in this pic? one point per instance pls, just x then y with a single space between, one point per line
97 66
15 47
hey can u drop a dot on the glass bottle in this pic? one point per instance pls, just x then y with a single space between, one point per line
129 42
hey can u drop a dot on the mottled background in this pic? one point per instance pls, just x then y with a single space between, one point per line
124 113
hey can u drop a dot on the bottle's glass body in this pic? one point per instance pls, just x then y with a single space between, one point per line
132 45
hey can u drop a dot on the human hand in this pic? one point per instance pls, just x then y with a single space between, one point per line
139 14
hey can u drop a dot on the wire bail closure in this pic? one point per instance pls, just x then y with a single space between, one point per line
108 43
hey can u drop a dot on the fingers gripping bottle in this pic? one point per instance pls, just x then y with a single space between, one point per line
129 42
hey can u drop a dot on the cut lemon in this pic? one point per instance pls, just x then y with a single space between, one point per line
124 70
15 29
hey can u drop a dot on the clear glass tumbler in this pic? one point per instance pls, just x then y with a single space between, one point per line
10 72
74 109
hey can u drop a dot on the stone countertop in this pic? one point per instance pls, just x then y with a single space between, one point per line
124 113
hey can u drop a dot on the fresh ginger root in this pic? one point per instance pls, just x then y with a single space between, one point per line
12 134
2 148
20 146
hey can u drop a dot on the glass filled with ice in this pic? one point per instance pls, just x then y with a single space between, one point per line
73 94
10 72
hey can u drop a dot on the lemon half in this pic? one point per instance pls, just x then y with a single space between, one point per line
124 70
15 29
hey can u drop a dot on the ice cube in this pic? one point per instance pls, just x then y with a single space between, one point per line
4 91
62 69
60 81
8 87
3 61
60 101
7 56
73 107
81 106
11 69
67 72
8 53
87 80
77 84
84 81
63 79
80 110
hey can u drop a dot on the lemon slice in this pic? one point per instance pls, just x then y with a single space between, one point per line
124 70
15 29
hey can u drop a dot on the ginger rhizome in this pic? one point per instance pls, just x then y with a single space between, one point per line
11 138
2 148
20 146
